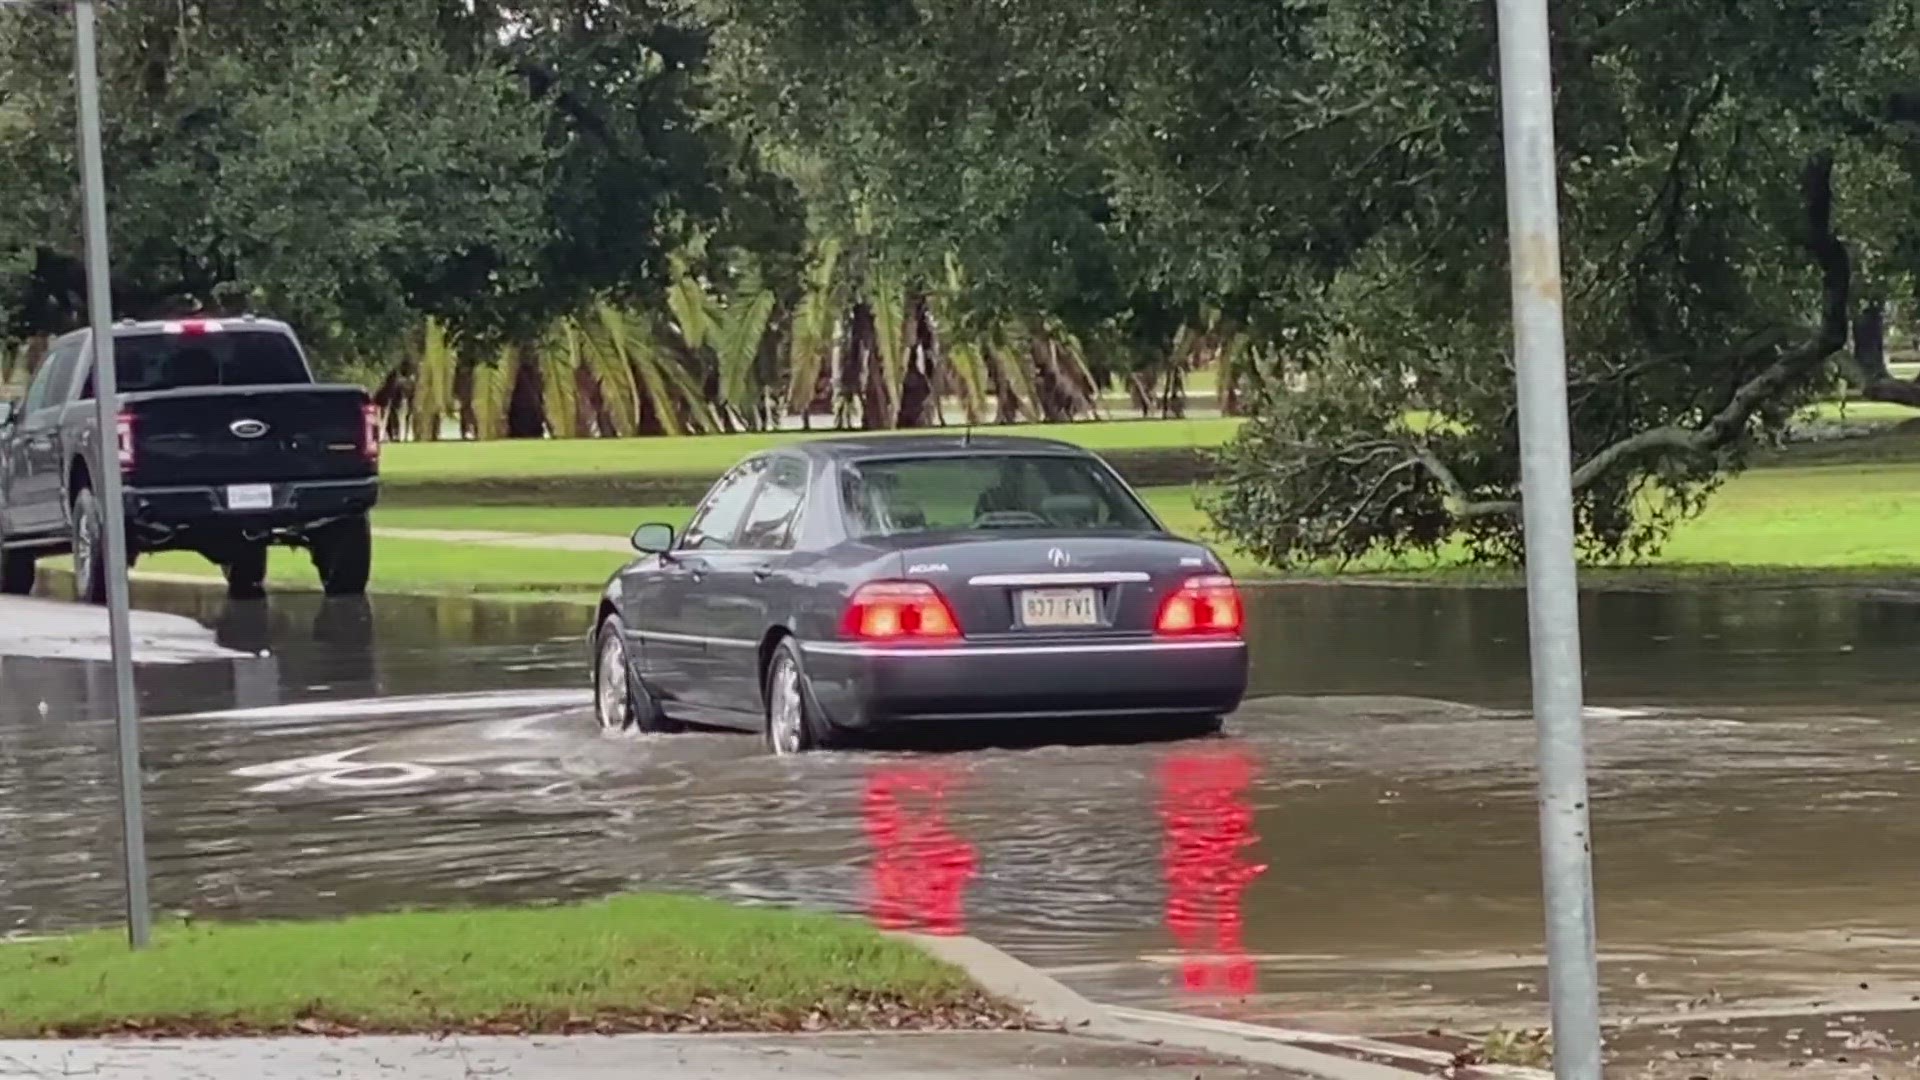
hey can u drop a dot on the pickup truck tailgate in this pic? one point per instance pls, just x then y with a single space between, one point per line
248 434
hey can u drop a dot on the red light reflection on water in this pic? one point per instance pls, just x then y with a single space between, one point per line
1208 822
920 867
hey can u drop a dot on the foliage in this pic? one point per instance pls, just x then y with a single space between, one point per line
659 216
304 159
497 166
1317 186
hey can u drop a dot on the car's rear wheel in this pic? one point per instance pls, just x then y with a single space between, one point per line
17 571
246 572
621 701
343 554
793 725
89 549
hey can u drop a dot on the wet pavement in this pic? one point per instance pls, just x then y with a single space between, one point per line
1359 855
1029 1056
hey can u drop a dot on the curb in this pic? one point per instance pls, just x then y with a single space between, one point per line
1052 1002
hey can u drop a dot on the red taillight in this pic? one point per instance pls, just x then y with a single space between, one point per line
123 439
899 611
191 327
1201 605
370 432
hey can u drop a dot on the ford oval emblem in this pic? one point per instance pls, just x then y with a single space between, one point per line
1058 557
248 429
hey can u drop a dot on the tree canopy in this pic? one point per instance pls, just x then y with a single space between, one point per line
356 168
1738 180
713 211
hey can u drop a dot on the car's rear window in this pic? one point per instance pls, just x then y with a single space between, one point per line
987 491
228 358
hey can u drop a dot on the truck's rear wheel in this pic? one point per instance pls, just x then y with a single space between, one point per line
246 572
89 549
17 572
343 554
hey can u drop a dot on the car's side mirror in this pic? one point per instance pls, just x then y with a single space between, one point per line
7 410
653 539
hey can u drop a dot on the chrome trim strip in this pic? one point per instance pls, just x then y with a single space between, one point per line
834 648
693 639
1110 577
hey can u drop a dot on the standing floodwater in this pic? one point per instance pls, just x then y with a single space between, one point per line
1755 756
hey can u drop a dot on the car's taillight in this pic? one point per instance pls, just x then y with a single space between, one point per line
370 432
123 439
1201 605
899 611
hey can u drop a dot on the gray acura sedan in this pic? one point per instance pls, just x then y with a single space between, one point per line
852 586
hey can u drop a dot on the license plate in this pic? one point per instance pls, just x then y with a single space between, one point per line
1059 607
250 497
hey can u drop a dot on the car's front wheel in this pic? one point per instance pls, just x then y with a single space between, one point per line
621 701
793 725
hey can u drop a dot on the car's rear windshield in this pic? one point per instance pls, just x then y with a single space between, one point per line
987 491
144 362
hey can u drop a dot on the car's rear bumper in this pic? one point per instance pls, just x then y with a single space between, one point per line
862 687
295 503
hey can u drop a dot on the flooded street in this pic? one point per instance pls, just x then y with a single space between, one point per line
1358 855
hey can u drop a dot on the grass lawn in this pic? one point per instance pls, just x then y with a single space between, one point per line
408 566
1779 521
1845 510
639 963
710 455
593 520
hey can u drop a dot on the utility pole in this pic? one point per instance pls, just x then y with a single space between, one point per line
1546 477
107 400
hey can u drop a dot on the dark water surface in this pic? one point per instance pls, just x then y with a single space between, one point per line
1370 819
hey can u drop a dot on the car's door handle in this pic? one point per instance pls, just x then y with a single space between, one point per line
762 573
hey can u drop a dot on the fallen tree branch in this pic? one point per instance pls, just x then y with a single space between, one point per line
1725 425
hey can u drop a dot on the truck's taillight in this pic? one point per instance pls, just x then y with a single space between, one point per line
899 611
370 432
1201 605
191 327
123 437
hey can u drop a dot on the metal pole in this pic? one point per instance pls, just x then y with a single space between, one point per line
107 401
1553 597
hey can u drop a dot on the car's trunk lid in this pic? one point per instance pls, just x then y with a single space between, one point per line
1048 584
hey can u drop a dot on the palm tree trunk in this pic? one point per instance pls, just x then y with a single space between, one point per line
526 408
1006 400
917 388
463 394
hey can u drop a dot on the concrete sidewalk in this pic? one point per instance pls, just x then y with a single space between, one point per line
974 1056
498 538
51 630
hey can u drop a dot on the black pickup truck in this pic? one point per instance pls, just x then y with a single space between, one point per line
225 445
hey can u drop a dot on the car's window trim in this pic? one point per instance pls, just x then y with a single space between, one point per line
752 496
62 352
799 514
851 467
